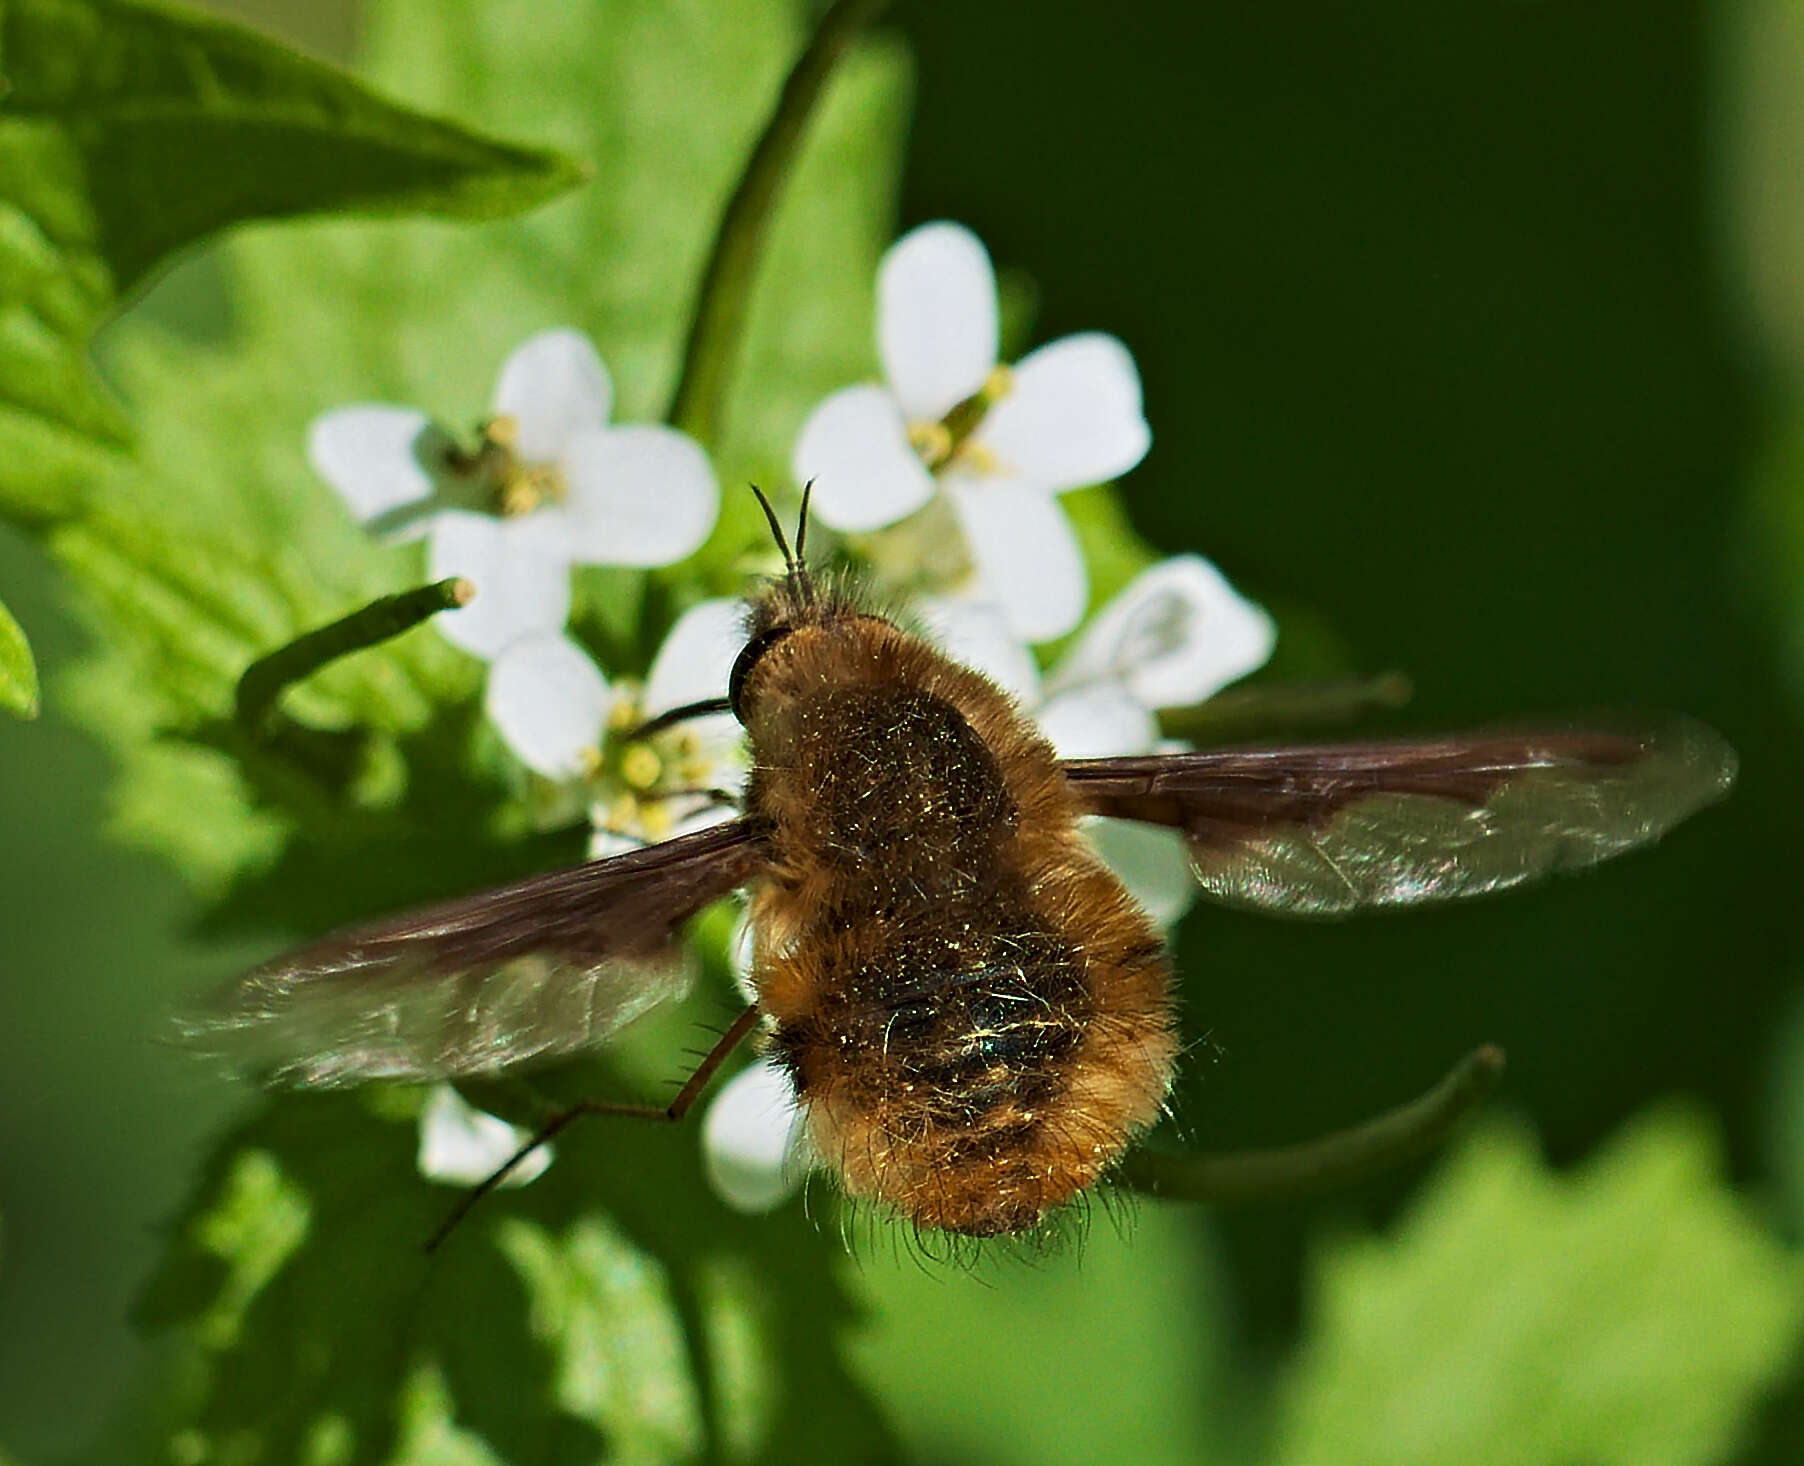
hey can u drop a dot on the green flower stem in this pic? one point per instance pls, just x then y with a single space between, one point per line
726 287
1251 712
264 680
1334 1161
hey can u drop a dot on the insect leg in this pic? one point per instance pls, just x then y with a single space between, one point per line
670 717
713 797
558 1123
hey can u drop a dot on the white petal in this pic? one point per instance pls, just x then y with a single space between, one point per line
739 955
1097 721
605 841
461 1146
1072 416
936 318
1027 558
554 387
605 844
549 701
978 635
369 453
750 1139
705 816
521 574
1151 861
1177 635
697 656
642 495
855 449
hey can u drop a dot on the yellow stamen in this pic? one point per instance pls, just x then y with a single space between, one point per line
517 496
624 716
932 441
976 459
503 430
655 819
641 766
999 383
591 761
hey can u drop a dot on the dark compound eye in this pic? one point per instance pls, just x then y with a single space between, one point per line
747 659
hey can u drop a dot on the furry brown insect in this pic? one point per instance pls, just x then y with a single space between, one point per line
977 1017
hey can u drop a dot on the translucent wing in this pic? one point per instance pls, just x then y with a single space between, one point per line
547 965
1335 828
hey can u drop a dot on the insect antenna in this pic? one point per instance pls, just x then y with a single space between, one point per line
798 574
801 584
776 531
802 526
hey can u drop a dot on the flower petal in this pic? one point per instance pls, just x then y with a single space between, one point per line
369 453
1151 861
694 664
751 1139
697 656
1027 558
1177 635
855 449
604 843
978 635
1072 416
554 387
740 949
642 495
937 327
1097 721
605 840
462 1146
549 702
521 574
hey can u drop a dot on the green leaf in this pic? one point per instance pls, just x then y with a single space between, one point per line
130 131
611 1309
225 545
1630 1314
18 673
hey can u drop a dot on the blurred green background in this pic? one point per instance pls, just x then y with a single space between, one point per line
1470 328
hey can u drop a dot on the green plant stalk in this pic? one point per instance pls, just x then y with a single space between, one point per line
724 296
1330 1163
266 678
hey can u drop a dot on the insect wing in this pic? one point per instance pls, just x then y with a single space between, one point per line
544 966
1335 828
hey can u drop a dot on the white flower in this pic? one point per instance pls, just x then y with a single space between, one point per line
462 1146
564 719
1001 443
1174 637
753 1145
550 486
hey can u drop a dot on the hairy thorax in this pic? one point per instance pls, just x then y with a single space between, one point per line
975 1015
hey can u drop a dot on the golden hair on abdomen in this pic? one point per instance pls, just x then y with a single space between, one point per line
976 1015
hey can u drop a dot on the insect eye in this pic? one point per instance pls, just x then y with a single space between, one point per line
747 659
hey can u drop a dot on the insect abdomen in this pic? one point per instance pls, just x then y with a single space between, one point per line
931 1066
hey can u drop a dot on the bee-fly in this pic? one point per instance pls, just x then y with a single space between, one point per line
977 1017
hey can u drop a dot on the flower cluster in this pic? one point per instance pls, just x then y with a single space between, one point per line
993 444
547 485
943 481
